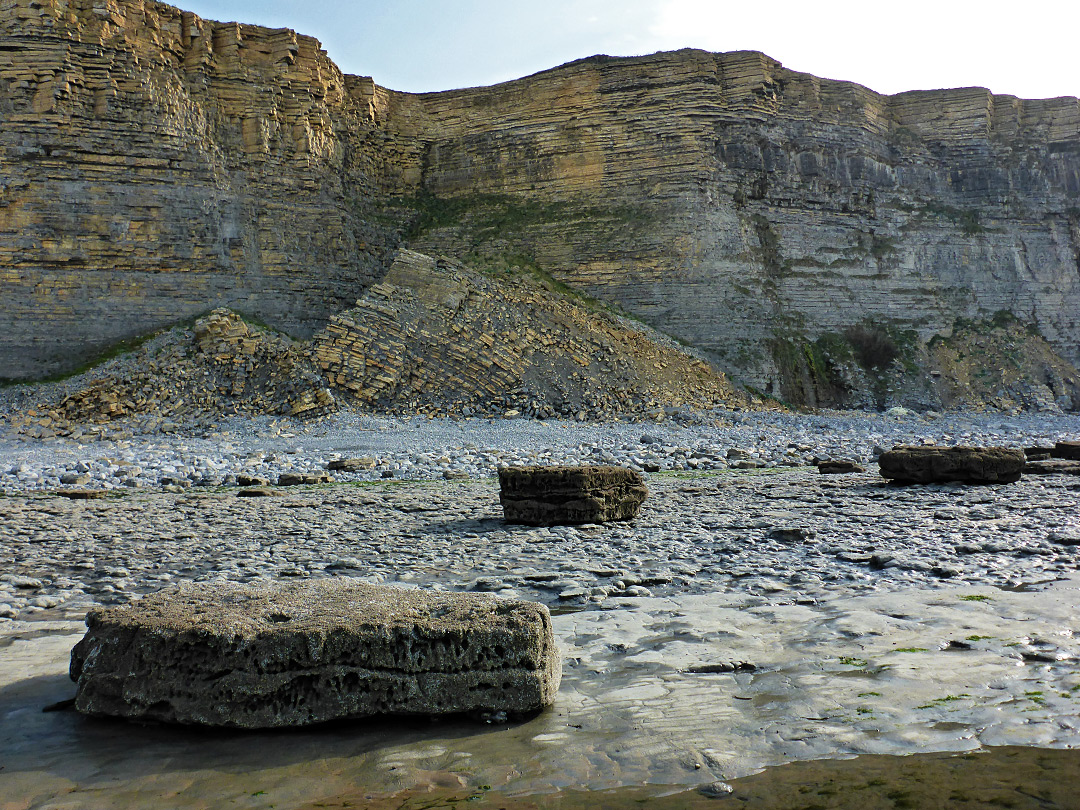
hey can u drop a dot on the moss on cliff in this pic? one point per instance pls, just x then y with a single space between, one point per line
484 217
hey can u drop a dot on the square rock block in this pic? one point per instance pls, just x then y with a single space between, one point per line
301 653
923 464
550 496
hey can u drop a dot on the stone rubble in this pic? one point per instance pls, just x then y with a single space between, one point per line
780 528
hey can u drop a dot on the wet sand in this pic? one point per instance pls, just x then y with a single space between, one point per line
647 702
751 653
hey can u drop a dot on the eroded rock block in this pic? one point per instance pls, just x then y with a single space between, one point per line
839 467
1052 466
302 653
1067 450
974 465
549 496
293 479
352 465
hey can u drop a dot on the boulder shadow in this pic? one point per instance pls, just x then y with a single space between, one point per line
54 739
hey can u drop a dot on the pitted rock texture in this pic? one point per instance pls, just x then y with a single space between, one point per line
290 655
973 465
549 496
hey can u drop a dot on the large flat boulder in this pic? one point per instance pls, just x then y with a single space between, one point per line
922 464
549 496
326 649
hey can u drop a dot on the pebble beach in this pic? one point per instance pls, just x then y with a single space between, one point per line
756 612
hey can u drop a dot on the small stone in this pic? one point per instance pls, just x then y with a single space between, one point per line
881 561
485 584
252 481
838 467
21 582
1071 539
82 494
789 535
255 492
716 790
1038 453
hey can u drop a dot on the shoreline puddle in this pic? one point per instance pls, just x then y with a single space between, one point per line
659 696
1008 777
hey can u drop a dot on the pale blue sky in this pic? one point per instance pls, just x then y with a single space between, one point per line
1022 48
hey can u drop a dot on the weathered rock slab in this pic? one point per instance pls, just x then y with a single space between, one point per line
549 496
302 653
1067 450
1052 466
82 494
351 464
839 467
293 479
922 464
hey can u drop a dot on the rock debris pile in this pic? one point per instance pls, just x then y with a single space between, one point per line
432 338
222 366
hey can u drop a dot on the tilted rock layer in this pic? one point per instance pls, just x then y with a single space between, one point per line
434 334
155 163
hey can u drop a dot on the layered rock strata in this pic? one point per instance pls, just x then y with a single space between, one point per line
433 333
289 655
972 465
551 496
156 165
747 207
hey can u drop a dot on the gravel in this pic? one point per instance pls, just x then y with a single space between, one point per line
422 448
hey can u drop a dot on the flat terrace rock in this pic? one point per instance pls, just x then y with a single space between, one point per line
554 495
310 652
973 465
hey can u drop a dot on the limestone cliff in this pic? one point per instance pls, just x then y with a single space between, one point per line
744 208
156 165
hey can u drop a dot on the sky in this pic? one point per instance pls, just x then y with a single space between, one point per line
1027 49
